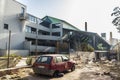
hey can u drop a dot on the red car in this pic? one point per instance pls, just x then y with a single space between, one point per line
52 64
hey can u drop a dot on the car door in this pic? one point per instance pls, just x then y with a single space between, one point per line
59 64
66 62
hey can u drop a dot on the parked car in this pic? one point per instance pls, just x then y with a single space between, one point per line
52 64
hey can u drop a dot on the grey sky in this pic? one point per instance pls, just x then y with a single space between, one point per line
96 12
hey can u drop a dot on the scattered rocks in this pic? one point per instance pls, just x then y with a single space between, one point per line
10 77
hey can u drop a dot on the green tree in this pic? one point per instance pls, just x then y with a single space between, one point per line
116 20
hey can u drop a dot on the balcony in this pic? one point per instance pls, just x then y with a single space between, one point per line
32 48
48 37
30 35
23 16
45 37
42 48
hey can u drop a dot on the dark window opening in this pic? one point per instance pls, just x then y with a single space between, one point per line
45 24
6 26
33 41
40 32
55 26
47 43
56 34
51 43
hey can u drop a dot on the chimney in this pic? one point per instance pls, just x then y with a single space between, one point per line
110 37
86 26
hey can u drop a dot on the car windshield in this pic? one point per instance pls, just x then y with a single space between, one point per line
44 59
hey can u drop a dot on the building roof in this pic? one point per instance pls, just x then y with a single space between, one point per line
65 24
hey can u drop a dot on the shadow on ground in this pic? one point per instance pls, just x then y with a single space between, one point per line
33 76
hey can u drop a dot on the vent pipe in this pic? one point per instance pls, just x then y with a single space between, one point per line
85 26
110 37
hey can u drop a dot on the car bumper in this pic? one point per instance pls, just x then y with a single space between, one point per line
43 71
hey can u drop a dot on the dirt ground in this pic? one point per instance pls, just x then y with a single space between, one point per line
90 71
82 72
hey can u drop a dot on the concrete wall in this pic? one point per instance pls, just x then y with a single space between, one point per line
9 14
9 10
18 52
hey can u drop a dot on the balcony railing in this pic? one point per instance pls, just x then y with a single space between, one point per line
46 37
32 48
42 48
23 16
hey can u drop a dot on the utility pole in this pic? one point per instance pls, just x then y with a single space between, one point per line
9 49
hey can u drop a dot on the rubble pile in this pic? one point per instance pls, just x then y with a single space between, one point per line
18 75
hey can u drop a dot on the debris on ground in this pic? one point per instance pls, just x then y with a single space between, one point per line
101 70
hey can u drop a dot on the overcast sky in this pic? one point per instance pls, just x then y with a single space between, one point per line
97 13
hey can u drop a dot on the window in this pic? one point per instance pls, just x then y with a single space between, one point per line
41 32
55 26
39 21
44 59
56 34
65 58
22 10
30 30
58 59
32 19
6 26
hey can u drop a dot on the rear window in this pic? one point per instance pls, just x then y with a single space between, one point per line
44 59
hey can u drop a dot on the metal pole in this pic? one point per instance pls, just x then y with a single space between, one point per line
69 43
36 44
9 49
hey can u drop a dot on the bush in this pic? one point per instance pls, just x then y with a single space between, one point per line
29 61
86 47
13 56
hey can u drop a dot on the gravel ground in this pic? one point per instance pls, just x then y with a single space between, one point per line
82 72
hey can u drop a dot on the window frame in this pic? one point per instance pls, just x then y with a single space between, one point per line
6 26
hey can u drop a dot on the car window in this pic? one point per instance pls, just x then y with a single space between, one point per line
58 59
44 59
65 58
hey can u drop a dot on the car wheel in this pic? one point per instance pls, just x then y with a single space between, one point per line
56 74
37 74
73 68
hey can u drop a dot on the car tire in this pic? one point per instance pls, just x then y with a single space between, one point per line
73 68
37 74
56 74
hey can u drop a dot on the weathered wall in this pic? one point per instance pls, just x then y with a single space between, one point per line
9 10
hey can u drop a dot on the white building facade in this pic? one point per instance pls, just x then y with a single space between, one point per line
27 33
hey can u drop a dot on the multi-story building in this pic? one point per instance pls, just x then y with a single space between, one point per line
29 32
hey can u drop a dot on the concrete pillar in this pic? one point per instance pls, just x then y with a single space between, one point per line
51 29
23 26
